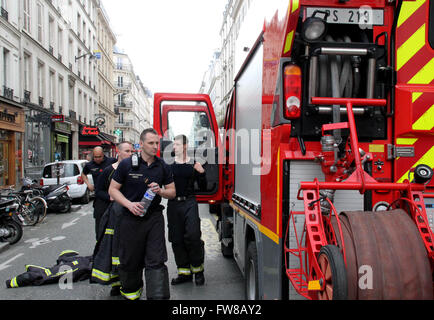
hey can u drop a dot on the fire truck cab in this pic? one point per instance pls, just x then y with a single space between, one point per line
322 172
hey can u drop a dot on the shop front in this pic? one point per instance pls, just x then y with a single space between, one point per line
91 137
11 143
61 141
37 144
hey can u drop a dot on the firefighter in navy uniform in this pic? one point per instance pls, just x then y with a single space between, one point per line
183 216
95 168
102 198
141 240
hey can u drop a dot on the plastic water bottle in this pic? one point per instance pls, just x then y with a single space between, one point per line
146 201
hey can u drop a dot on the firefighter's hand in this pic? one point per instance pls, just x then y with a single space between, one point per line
135 208
198 167
154 187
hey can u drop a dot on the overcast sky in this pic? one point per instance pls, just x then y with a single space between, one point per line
170 42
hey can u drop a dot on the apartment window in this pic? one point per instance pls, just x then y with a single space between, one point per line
78 25
60 97
71 52
26 9
84 32
85 107
120 82
60 42
51 31
89 38
27 70
52 86
80 104
119 63
40 22
41 81
79 62
71 98
5 67
120 99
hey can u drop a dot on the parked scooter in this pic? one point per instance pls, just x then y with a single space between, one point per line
10 230
56 196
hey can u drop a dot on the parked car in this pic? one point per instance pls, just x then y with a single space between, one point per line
69 173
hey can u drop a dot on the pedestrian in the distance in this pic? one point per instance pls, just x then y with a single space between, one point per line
141 239
183 216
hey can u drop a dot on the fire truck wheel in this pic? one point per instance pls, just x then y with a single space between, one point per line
251 276
332 265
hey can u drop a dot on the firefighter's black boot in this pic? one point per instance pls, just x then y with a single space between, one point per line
182 278
115 291
199 278
157 284
131 284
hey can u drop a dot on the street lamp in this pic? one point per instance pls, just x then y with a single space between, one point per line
94 55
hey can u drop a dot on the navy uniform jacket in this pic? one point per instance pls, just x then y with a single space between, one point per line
105 254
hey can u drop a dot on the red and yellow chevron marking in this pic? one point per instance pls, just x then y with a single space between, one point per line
415 109
424 154
293 6
414 56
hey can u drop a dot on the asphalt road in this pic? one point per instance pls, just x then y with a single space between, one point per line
42 244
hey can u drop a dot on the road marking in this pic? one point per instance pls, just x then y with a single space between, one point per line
5 264
39 242
83 214
71 223
58 238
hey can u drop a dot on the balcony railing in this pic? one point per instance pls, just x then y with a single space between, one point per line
124 67
73 115
4 14
8 93
122 86
124 124
27 95
127 104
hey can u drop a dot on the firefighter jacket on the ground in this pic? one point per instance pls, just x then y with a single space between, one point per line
68 263
105 255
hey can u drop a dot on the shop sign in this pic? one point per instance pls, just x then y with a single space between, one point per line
63 127
8 117
90 131
58 118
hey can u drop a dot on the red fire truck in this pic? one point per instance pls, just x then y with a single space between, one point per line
322 174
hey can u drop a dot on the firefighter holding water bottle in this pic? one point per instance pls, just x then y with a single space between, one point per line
142 234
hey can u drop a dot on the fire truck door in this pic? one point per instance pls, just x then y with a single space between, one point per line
192 116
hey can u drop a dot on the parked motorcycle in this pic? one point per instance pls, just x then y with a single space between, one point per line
56 196
10 230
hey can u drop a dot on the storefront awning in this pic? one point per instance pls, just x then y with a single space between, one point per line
96 139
